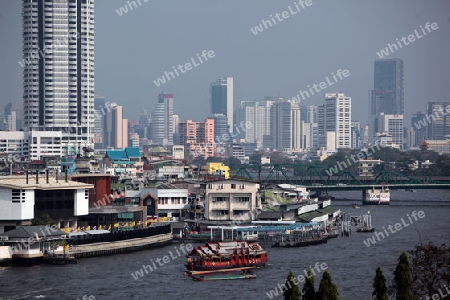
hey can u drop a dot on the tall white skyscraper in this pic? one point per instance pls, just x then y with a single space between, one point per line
222 98
58 63
335 120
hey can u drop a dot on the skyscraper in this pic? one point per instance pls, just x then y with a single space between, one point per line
392 125
387 96
58 63
335 121
222 98
115 127
439 120
162 120
285 126
257 113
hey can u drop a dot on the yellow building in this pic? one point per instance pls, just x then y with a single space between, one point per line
217 168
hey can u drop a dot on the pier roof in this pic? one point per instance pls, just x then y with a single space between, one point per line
20 182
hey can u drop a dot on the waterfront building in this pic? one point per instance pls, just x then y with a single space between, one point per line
228 200
172 201
24 198
222 98
58 69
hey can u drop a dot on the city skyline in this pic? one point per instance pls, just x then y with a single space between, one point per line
256 75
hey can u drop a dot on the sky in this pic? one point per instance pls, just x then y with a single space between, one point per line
134 49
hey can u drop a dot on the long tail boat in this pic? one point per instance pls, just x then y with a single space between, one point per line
226 255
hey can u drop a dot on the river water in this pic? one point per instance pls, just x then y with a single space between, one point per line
351 263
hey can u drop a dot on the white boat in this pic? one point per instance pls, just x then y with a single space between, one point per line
378 196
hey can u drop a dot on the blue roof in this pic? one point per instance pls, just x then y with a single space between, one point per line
116 154
133 152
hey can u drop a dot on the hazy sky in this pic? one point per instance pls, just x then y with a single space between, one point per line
136 48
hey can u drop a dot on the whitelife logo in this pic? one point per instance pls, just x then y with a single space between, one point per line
266 24
187 66
391 48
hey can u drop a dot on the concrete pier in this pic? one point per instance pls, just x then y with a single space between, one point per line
124 246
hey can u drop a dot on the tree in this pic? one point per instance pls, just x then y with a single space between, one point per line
327 289
292 291
308 290
44 219
379 285
403 278
430 268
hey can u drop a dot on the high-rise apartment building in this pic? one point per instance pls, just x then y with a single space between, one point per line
162 120
257 113
387 95
285 126
393 126
58 68
197 137
222 99
334 121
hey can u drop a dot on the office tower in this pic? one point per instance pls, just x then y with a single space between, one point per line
387 95
256 113
335 121
99 112
221 129
115 128
162 120
58 68
285 126
175 127
418 130
222 98
438 120
392 125
356 134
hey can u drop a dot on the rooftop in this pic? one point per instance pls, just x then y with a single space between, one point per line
40 231
20 182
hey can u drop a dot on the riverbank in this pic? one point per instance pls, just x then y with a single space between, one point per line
118 247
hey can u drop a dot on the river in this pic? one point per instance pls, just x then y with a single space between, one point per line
351 263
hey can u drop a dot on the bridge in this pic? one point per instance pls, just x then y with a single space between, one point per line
315 178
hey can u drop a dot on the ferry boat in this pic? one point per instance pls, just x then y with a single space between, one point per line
226 255
378 196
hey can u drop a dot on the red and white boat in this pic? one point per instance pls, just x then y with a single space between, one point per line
225 255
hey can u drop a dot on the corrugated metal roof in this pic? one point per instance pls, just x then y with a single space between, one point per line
26 232
133 152
116 154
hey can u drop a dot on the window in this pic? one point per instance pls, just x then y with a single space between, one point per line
210 186
242 199
233 185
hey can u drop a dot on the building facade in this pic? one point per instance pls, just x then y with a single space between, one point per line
58 68
162 128
222 98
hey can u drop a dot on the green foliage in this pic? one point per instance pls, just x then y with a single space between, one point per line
327 289
43 220
403 278
430 268
379 285
308 290
292 292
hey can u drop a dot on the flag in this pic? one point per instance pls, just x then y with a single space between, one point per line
109 227
88 228
82 228
100 227
116 225
94 228
133 223
78 229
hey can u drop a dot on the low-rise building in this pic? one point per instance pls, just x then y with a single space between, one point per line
228 200
24 198
173 202
216 168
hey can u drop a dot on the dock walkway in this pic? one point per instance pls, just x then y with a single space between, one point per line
124 246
